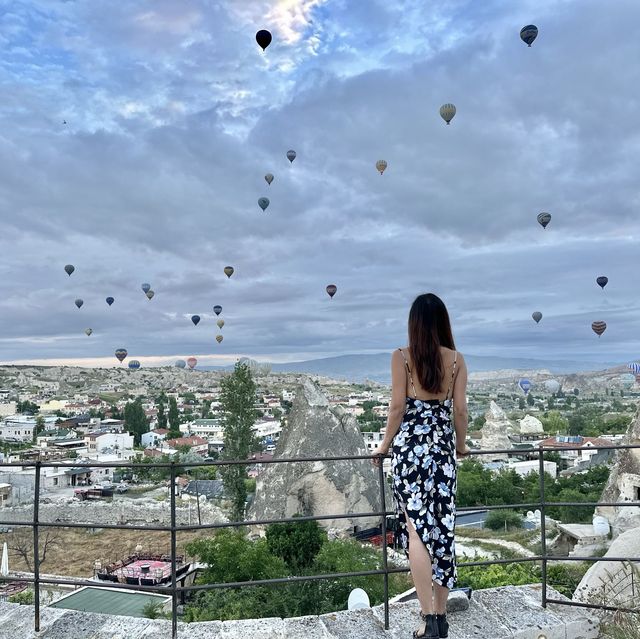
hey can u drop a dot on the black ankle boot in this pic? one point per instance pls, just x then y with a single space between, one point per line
430 629
443 625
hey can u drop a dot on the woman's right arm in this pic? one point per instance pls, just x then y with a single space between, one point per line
460 414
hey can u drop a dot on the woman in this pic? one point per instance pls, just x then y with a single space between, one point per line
426 378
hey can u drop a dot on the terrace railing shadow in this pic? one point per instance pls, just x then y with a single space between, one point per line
175 590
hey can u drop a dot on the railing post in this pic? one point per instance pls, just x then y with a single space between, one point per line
36 549
174 585
384 543
543 532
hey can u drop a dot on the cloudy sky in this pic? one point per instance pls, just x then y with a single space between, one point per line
174 115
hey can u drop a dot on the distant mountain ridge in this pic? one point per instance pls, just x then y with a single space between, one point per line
376 367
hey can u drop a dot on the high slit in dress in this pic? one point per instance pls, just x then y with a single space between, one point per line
423 468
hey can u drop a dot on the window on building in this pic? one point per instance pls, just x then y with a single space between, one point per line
636 493
55 481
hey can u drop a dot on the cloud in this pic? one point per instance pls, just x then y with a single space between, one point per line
174 116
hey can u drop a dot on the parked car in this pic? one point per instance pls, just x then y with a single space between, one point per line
122 488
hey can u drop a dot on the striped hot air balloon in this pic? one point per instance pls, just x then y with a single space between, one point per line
121 353
599 327
634 367
381 165
134 364
544 219
447 111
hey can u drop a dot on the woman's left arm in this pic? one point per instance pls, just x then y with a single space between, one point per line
398 401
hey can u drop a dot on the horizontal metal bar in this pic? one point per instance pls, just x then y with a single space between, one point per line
73 524
282 460
579 604
556 558
592 503
94 584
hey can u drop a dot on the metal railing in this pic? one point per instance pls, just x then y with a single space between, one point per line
174 590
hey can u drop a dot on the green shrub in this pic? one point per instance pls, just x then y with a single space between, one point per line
503 519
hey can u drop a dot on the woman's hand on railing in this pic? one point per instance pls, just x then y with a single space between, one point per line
383 449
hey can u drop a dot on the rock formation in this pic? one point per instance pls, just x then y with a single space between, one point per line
530 425
624 484
315 429
613 582
495 432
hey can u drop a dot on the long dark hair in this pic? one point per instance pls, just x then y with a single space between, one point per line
429 329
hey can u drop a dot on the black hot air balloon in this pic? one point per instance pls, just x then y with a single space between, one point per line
195 319
331 290
217 309
79 302
602 281
544 219
69 268
537 316
263 38
228 271
528 34
110 301
121 353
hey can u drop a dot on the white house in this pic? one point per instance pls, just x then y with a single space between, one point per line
102 442
153 437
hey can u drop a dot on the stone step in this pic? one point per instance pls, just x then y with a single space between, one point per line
500 613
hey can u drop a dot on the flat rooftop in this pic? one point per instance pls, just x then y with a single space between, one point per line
109 601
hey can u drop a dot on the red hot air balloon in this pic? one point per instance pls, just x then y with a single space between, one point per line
599 327
191 362
331 290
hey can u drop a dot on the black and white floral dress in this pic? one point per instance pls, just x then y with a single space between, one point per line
423 469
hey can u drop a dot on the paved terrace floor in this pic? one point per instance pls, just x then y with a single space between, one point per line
494 613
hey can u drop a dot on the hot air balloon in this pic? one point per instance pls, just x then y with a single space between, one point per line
88 331
525 385
269 178
109 301
69 268
228 271
602 281
145 287
331 290
576 391
634 367
529 33
263 203
381 165
220 323
447 111
599 327
150 294
79 302
180 363
195 319
552 385
121 353
627 380
134 364
219 338
291 155
191 362
263 38
217 309
544 219
537 316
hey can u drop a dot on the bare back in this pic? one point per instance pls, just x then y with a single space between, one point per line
449 361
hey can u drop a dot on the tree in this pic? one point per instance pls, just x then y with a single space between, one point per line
21 542
174 416
237 399
135 420
27 407
162 417
530 400
503 519
297 543
521 403
39 427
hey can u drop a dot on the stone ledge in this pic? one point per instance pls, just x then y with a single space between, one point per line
499 613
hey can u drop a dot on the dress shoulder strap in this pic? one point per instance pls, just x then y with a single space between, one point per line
406 363
453 373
